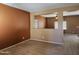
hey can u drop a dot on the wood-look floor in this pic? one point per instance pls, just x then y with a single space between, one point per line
32 47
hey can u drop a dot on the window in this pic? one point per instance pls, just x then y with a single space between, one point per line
64 25
36 24
56 25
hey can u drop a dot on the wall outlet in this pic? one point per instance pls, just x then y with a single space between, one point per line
23 37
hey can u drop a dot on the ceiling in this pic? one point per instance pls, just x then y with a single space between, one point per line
36 7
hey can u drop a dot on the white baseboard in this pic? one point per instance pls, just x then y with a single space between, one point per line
48 41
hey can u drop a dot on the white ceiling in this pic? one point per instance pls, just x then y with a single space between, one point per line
35 7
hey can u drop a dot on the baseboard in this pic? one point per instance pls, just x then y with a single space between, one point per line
48 41
13 45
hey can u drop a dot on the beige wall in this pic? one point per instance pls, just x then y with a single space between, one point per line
46 35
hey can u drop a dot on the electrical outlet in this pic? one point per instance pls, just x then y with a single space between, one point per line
23 37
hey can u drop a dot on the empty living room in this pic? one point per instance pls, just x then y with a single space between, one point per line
39 28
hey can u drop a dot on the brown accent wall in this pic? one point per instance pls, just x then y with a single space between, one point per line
14 26
72 24
50 22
